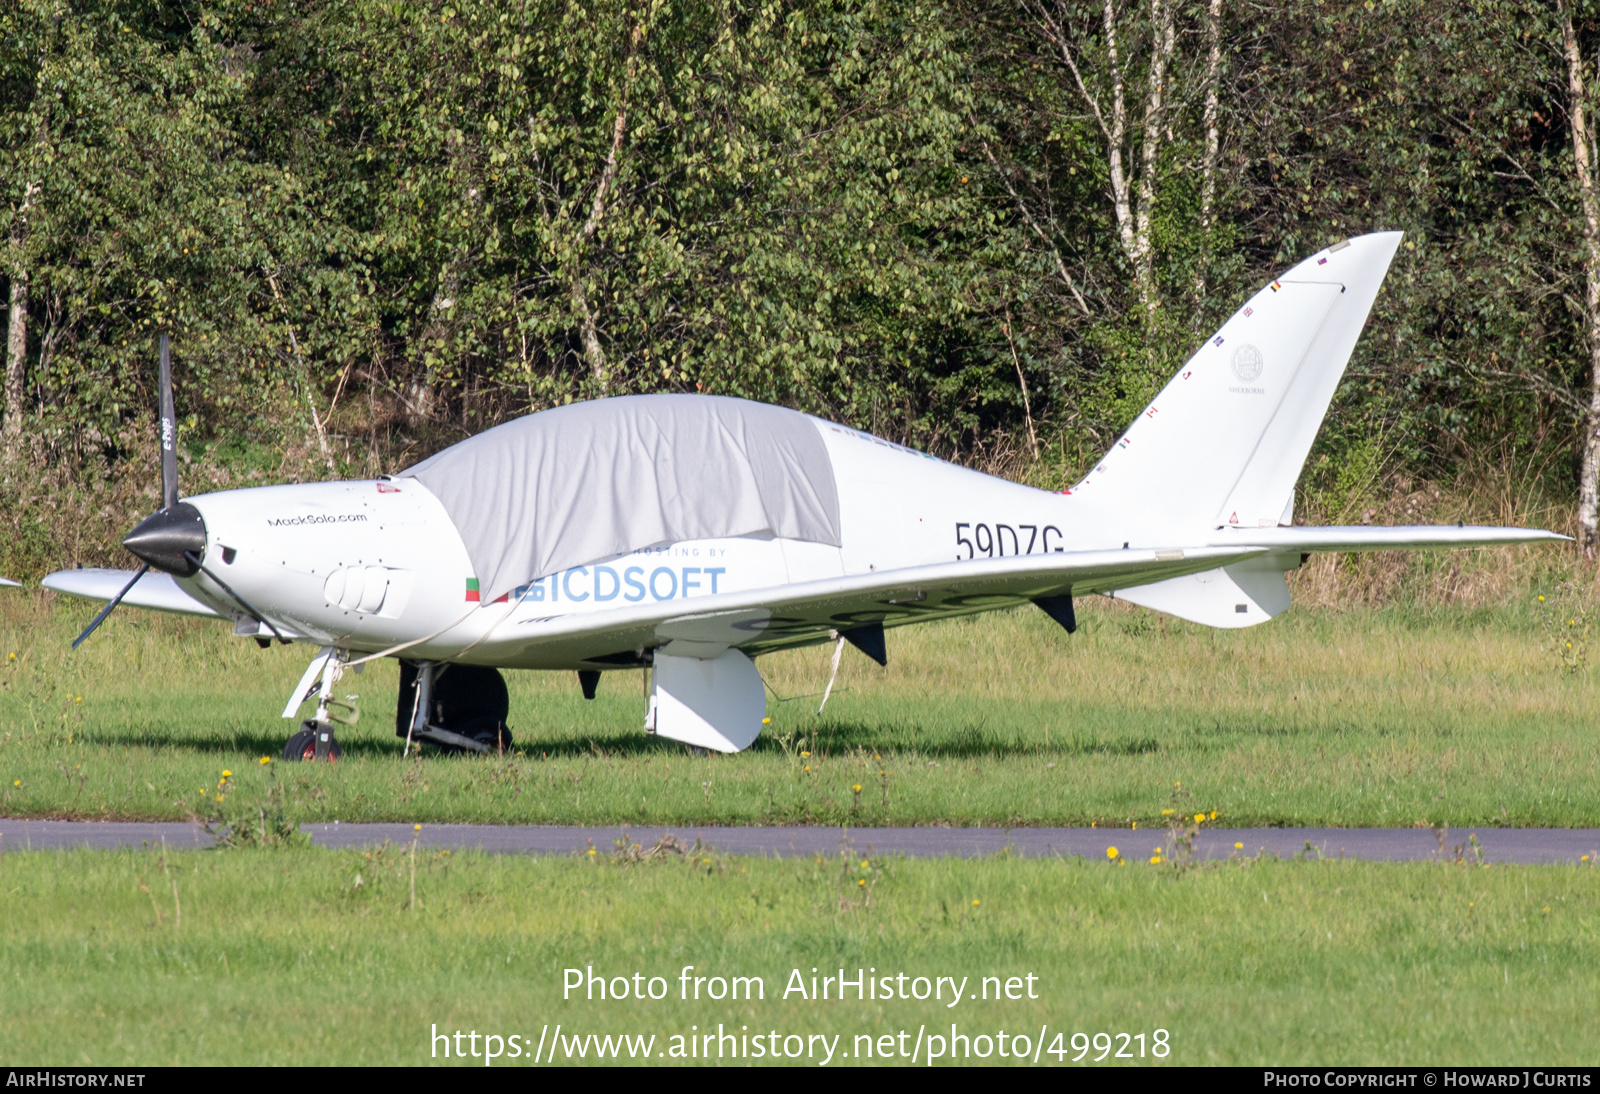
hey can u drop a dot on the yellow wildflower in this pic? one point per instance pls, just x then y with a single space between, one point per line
1111 853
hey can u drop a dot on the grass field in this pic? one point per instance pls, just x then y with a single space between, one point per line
304 956
1392 716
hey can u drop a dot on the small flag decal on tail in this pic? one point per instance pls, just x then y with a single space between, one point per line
1322 261
472 590
1276 286
1248 312
1217 341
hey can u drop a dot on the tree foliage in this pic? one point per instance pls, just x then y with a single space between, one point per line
985 227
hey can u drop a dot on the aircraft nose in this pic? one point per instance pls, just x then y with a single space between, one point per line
162 538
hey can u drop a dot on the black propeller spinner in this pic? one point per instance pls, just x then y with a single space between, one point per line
173 538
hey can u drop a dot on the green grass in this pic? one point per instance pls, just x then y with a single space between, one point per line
304 956
1398 716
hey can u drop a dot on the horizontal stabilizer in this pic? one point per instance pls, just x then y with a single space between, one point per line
1362 537
6 581
155 590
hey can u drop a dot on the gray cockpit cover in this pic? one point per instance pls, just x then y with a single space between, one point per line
594 480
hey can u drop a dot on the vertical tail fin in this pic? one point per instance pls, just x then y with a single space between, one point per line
1224 441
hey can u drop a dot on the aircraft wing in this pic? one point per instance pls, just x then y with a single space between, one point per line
800 614
1363 537
6 581
154 590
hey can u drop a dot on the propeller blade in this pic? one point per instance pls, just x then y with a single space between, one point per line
169 431
243 603
105 611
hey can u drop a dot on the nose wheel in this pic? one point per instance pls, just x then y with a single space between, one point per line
314 741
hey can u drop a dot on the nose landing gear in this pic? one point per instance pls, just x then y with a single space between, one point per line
315 741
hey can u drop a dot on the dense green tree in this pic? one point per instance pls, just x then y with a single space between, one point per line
987 227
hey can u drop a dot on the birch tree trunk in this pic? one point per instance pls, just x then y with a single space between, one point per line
16 381
16 358
588 327
1583 164
1161 43
1208 165
1132 200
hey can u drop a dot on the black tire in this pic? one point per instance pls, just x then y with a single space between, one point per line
303 745
465 697
490 732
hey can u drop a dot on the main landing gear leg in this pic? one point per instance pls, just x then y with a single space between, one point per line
452 707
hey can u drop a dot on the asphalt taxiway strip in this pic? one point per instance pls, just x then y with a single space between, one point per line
1510 845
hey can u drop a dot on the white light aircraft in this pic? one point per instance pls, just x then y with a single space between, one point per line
690 534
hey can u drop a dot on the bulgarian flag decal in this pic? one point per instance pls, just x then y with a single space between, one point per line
472 590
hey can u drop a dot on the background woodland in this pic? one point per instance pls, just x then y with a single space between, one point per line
990 229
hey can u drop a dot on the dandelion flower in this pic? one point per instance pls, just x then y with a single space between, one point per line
1213 814
227 774
1585 858
974 903
416 827
1168 812
856 788
766 721
1155 860
805 753
861 881
79 699
1238 847
1111 853
863 864
1198 817
591 850
1541 600
266 760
